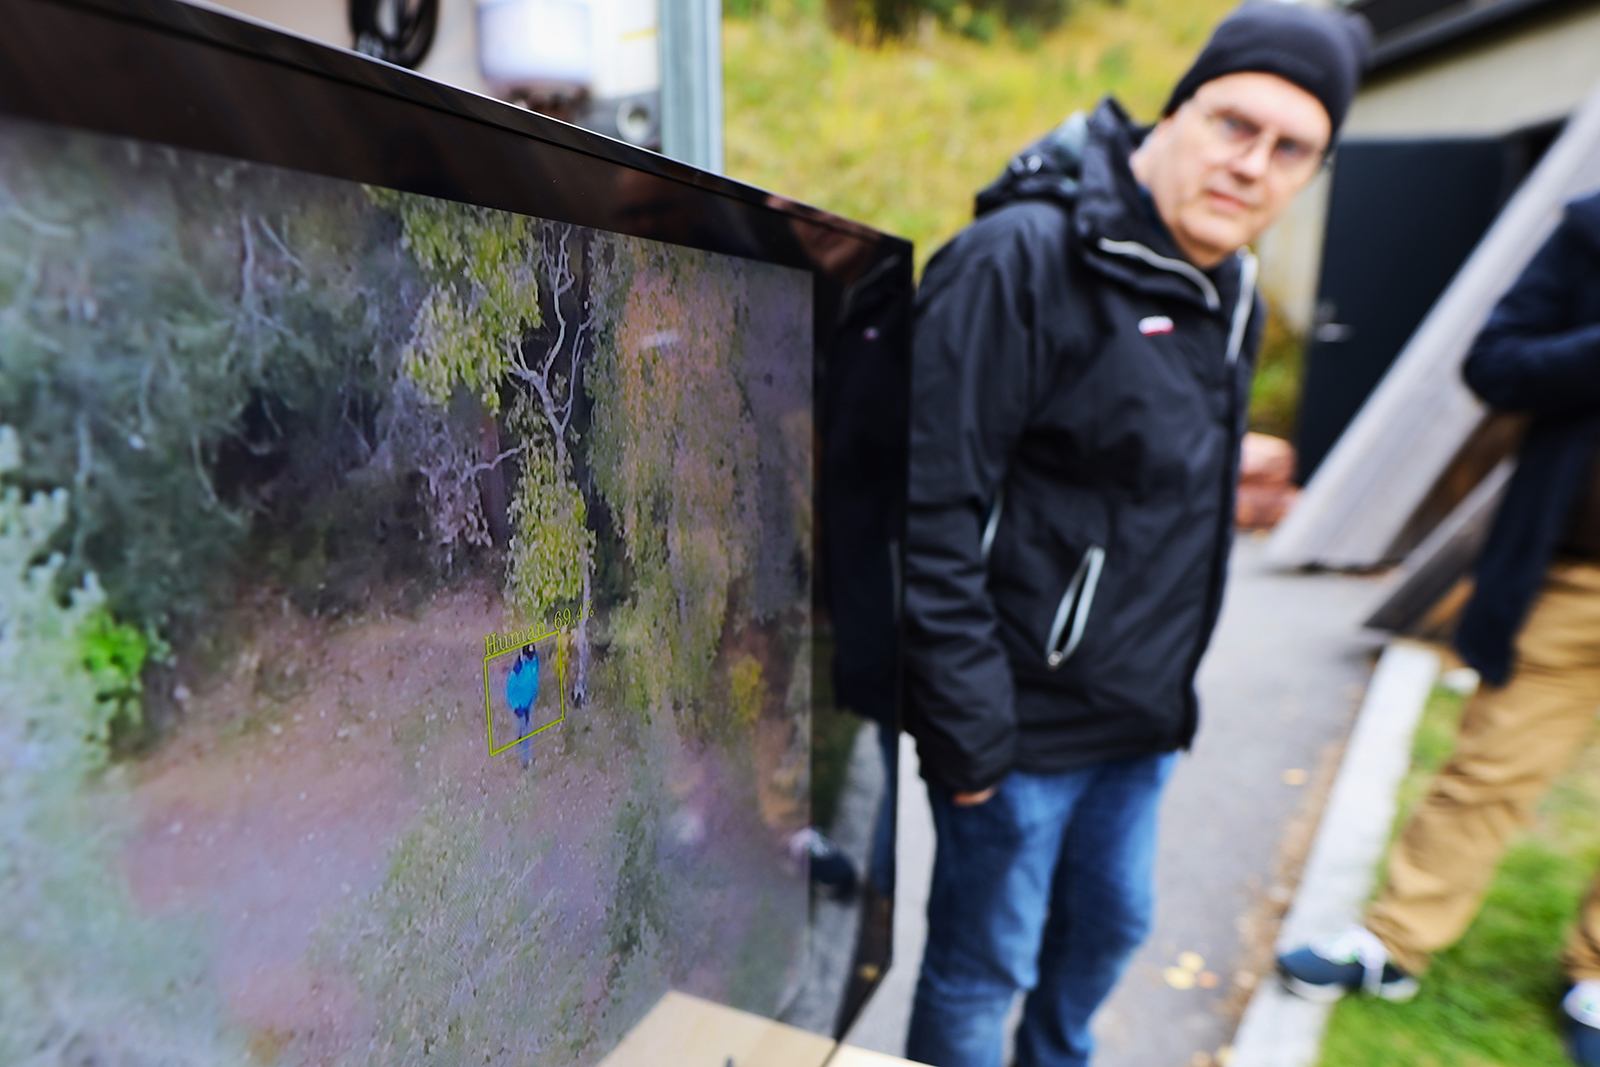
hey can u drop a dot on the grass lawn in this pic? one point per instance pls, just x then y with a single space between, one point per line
903 134
1490 1001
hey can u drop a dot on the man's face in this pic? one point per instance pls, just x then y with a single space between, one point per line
1222 167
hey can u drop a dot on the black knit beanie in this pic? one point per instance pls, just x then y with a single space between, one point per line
1322 50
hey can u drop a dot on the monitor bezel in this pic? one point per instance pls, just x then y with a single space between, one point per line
37 81
195 77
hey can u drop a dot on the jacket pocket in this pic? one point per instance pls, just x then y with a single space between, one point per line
1072 614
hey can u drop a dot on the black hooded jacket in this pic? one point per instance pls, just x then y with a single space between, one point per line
1079 394
1539 353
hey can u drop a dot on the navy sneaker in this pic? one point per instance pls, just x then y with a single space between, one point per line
1582 1005
1347 962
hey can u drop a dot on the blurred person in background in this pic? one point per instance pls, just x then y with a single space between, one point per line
1531 630
1082 360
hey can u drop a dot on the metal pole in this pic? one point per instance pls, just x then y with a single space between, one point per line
691 82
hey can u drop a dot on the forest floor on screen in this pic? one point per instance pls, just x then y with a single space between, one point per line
277 453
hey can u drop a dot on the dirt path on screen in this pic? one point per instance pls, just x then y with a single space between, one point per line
301 763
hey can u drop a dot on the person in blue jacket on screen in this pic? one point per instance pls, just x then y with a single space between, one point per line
522 691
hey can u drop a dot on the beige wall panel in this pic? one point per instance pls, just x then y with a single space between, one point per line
453 59
855 1057
1506 82
685 1031
1291 255
321 20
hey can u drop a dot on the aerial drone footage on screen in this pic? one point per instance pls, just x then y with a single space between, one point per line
408 649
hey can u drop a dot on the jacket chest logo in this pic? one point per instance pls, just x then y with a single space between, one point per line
1151 325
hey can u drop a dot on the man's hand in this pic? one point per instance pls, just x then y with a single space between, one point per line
972 800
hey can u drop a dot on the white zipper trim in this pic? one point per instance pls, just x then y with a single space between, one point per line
1080 618
1172 266
990 527
1076 607
1248 268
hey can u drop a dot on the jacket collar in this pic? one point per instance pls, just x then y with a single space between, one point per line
1117 234
1584 217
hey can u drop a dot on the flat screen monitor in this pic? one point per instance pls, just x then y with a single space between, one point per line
447 573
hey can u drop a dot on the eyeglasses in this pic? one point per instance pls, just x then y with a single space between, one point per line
1239 135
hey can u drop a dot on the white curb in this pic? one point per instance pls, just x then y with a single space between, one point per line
1279 1029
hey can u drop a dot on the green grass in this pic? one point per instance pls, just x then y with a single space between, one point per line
901 135
1491 1000
1280 367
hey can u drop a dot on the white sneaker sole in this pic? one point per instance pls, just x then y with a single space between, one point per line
1398 992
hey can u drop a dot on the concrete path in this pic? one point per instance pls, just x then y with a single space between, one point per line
1280 1029
1280 689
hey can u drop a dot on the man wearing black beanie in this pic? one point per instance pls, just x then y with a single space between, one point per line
1082 363
1321 53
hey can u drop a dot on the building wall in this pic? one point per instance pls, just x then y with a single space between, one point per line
1529 75
1291 255
1532 74
453 59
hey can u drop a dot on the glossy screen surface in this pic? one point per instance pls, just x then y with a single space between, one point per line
447 569
407 648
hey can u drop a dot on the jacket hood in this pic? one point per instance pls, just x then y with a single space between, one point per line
1082 164
1048 169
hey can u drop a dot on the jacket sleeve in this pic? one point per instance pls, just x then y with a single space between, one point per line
975 354
1536 353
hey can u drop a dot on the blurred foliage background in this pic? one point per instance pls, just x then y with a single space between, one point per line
896 112
901 130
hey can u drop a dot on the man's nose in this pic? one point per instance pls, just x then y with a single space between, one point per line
1253 165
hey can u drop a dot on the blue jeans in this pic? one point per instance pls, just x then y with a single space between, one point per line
1045 887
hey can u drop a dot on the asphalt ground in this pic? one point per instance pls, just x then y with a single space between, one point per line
1279 689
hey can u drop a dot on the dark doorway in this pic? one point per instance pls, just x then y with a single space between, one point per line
1402 218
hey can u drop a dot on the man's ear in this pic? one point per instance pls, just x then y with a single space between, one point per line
1140 161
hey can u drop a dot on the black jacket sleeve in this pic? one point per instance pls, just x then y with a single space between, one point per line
977 356
1539 351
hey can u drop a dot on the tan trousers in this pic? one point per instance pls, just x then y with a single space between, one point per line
1514 742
